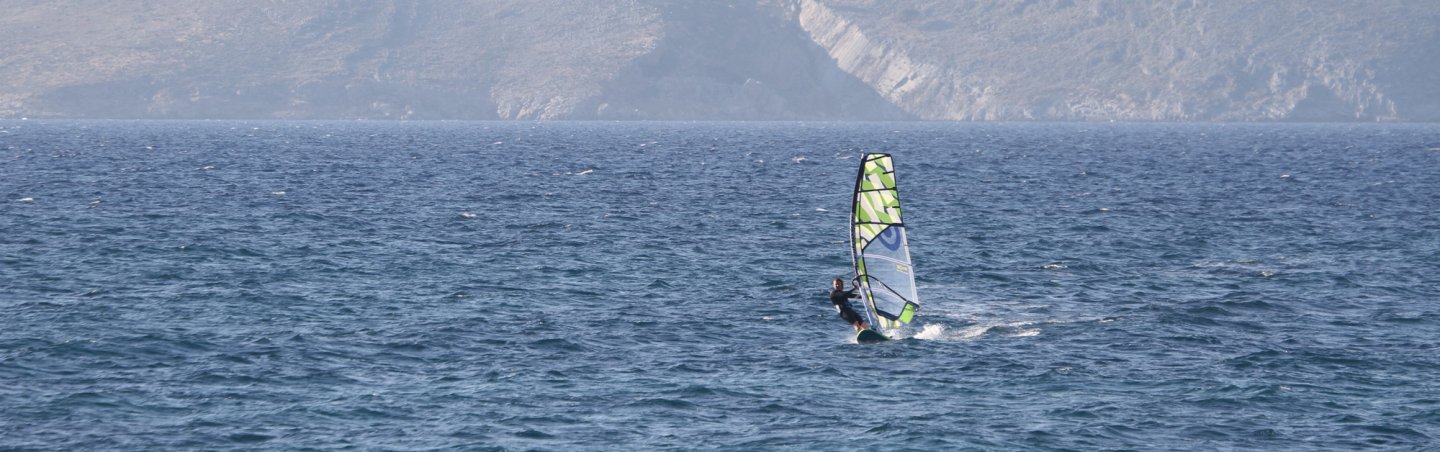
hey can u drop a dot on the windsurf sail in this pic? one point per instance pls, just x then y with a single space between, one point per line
879 249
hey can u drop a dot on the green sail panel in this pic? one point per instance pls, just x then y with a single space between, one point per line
880 250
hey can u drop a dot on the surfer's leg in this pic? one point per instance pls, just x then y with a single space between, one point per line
850 316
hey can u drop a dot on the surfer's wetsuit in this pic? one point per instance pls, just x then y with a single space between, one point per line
841 300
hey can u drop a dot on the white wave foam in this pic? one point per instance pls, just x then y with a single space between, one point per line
972 332
931 331
939 332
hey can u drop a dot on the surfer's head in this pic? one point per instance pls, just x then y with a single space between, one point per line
838 284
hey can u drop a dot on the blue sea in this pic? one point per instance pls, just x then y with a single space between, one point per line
642 286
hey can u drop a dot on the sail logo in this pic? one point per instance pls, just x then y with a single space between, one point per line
890 238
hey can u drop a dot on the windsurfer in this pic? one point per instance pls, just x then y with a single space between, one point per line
841 299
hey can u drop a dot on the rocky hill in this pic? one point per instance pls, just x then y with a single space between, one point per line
1308 60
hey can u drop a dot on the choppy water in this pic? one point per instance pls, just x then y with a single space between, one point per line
570 286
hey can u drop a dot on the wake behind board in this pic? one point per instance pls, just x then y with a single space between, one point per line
869 336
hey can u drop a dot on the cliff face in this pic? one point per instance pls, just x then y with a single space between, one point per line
1327 60
1125 60
729 61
